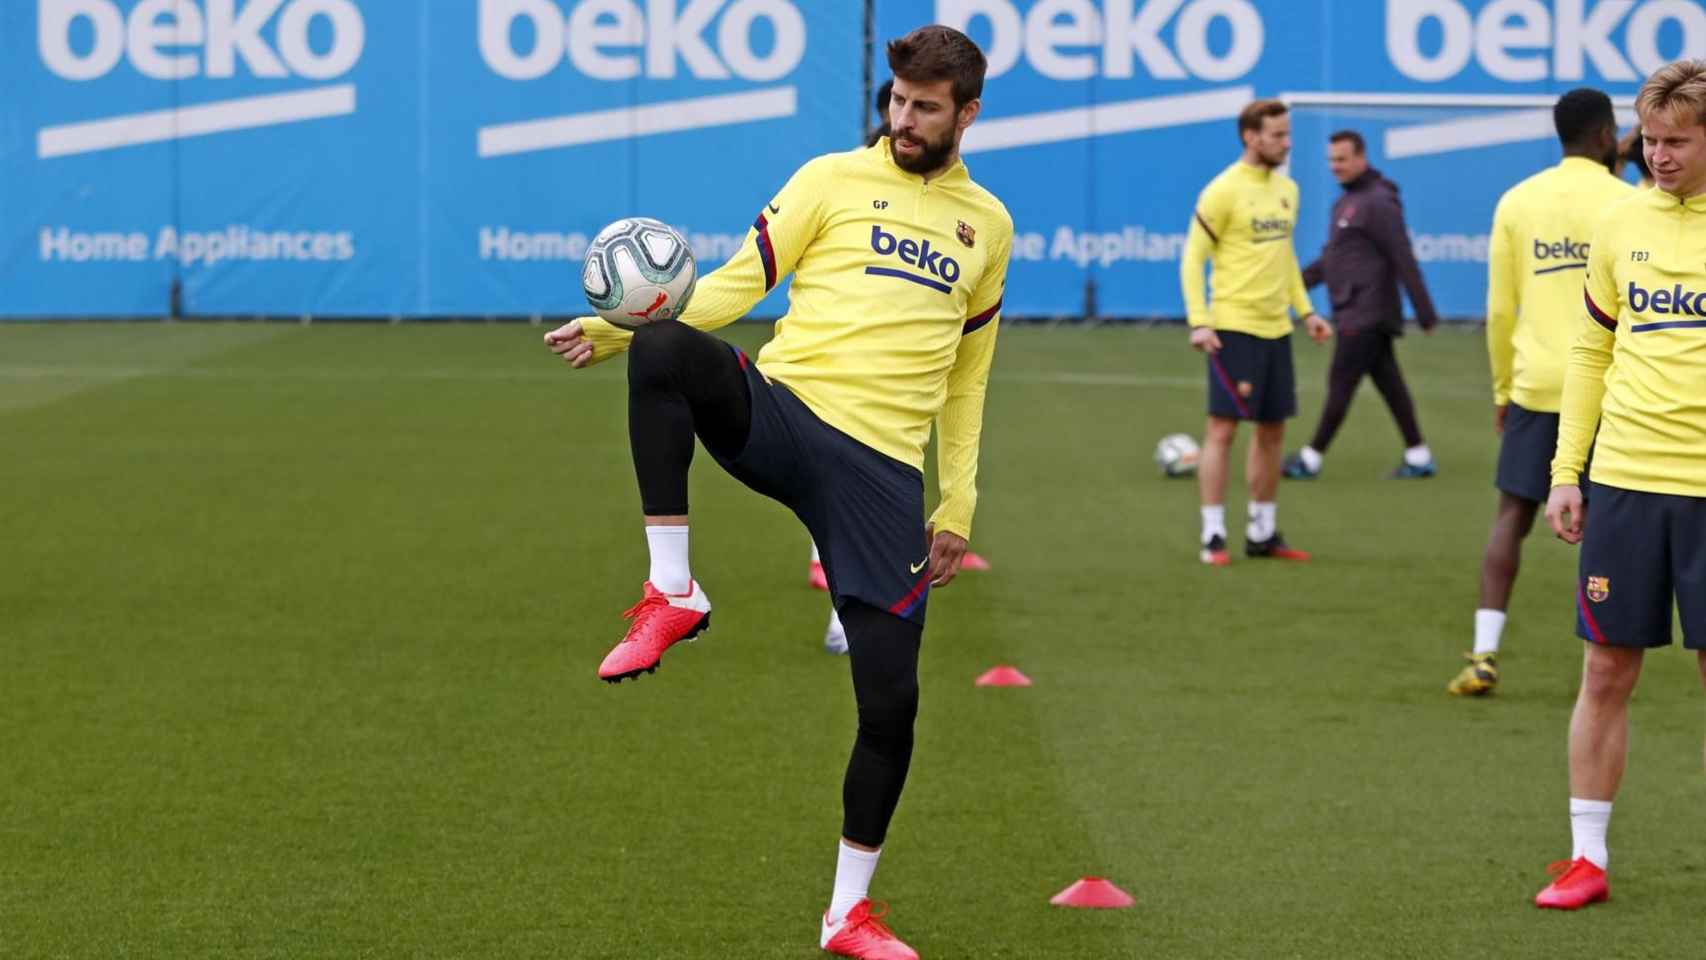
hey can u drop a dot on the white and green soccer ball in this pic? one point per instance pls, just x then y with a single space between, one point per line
637 271
1177 455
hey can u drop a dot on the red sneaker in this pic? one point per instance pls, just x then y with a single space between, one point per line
1214 552
1275 547
1575 884
973 561
660 621
816 577
862 934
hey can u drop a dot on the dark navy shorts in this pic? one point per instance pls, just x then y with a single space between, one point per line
1525 454
864 509
1251 378
1640 552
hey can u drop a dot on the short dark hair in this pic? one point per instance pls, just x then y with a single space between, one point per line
1253 116
1351 137
1580 114
934 53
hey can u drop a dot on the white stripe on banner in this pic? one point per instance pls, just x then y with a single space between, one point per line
218 117
1518 126
1103 119
673 116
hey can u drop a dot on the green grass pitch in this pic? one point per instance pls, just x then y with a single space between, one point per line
299 625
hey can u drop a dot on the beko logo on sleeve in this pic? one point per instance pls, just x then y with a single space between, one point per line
86 40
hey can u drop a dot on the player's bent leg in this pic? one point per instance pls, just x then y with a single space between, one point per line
1343 375
1418 462
884 653
681 383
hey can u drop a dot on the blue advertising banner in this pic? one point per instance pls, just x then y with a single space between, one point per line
454 157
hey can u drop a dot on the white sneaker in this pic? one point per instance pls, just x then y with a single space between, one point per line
835 638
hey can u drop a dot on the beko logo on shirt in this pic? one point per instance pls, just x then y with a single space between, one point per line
1676 301
1565 249
913 254
1259 225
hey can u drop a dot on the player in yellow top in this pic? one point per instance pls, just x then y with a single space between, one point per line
1535 258
899 260
1637 372
1243 225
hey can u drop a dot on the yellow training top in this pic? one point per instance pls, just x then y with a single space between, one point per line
892 314
1638 366
1535 258
1243 222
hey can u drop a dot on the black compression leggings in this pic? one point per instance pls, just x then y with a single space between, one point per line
681 382
884 653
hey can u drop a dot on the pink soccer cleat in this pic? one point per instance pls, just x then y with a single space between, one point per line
863 935
816 577
660 621
1575 884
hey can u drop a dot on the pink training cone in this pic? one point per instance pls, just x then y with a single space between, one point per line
973 561
1003 677
1095 893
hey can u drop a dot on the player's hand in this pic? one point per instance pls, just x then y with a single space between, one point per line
1205 339
1564 512
1499 412
947 550
1319 329
570 343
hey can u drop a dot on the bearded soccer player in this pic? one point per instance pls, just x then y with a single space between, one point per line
899 260
1535 261
1243 226
1637 371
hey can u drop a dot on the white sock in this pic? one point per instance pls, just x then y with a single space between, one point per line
815 557
1418 455
669 558
1262 516
1588 820
853 869
1489 624
1311 458
1213 522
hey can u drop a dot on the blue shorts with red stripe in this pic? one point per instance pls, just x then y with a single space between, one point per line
1251 378
1640 552
864 509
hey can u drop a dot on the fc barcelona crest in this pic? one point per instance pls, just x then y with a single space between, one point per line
967 235
1599 588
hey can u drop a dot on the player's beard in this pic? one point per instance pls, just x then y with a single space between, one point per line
933 157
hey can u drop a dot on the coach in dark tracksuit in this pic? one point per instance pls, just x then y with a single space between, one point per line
1367 257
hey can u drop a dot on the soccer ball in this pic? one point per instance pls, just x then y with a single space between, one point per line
1177 455
638 270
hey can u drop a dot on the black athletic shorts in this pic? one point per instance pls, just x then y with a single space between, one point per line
1251 378
1639 551
864 509
1525 454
